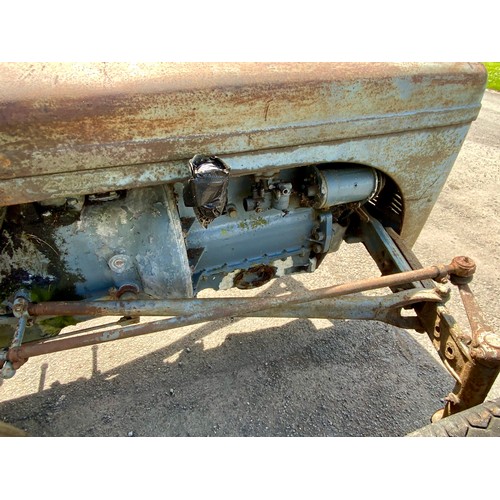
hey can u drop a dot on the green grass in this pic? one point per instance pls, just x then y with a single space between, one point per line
493 69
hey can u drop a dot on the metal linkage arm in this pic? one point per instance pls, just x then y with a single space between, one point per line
19 355
473 362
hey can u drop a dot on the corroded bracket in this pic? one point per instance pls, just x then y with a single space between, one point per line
474 378
480 365
474 362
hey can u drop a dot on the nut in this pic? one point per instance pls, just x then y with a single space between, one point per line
19 307
465 266
443 291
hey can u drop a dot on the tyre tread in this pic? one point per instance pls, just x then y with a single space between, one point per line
480 421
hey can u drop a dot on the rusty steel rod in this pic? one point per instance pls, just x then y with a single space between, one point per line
177 307
358 307
35 349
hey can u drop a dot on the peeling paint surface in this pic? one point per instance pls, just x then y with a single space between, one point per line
67 118
25 255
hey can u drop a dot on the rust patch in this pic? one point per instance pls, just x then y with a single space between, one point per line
29 189
160 112
254 277
4 162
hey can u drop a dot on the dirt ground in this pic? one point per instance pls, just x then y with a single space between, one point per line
276 377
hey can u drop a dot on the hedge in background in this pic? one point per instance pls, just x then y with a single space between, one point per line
493 69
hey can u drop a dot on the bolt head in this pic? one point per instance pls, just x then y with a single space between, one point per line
19 306
443 290
119 263
317 248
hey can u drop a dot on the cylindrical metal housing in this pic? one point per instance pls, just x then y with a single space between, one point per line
337 186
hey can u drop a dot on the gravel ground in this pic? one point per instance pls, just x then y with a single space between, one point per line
274 377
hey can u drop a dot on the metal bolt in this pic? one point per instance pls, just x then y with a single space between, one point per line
443 291
119 263
317 248
232 212
19 307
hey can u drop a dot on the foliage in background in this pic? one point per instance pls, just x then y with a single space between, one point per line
493 69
